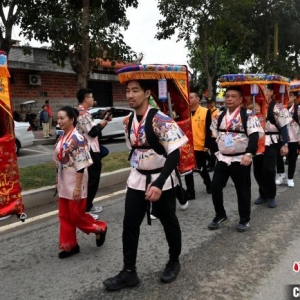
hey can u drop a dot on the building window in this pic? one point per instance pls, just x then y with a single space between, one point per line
43 94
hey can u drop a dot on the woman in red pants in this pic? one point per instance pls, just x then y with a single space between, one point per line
72 158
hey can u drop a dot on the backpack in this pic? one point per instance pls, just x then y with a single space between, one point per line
244 117
150 135
156 146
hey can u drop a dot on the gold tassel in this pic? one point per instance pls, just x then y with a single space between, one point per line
232 83
149 75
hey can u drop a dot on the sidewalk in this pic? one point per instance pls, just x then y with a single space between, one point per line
40 140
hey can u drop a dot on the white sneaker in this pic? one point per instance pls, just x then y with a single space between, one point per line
290 183
96 209
152 217
96 217
185 206
281 179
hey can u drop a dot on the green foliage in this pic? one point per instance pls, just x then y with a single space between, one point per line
223 35
60 23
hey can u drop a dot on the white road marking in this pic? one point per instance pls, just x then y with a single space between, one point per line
52 213
31 150
28 156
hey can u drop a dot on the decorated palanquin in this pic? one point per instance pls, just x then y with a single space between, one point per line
253 88
253 92
295 87
10 191
171 95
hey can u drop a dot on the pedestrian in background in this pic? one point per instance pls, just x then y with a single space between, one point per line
50 112
44 119
276 140
201 121
72 158
294 137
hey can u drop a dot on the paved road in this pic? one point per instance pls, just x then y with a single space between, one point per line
221 265
40 154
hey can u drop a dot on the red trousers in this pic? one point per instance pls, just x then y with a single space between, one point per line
72 215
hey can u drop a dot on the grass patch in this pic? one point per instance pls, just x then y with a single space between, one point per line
35 177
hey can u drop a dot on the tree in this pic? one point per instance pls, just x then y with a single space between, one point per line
206 26
81 31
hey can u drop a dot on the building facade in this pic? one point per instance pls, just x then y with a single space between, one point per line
35 77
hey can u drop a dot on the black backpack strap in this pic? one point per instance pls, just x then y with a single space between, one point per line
295 114
150 134
221 116
244 117
270 113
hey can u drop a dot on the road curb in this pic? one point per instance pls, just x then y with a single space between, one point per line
41 196
50 141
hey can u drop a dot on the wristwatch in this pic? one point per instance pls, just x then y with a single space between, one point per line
286 144
249 154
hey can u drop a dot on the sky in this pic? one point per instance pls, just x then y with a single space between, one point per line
141 32
140 36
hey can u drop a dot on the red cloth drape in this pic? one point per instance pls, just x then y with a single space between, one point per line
10 190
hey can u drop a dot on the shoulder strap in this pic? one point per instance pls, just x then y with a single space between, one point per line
129 124
211 112
270 113
244 117
295 115
221 116
150 134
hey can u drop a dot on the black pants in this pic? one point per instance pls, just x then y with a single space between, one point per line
94 172
264 169
241 178
213 149
292 160
135 208
200 157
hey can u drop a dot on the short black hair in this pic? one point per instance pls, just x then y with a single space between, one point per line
234 88
71 112
145 84
81 94
270 86
47 101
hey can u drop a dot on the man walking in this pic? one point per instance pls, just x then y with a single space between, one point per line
237 132
264 166
152 180
87 127
211 105
201 121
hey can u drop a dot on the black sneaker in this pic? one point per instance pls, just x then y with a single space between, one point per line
208 189
170 272
215 224
190 196
243 226
260 201
65 254
122 280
